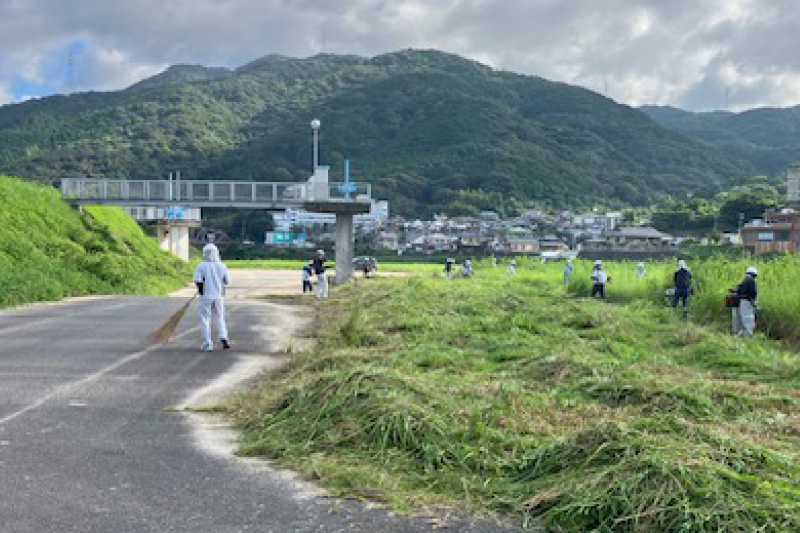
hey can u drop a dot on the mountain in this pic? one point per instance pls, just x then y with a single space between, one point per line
181 74
432 131
767 138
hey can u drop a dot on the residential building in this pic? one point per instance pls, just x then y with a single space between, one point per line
285 220
635 237
778 232
552 245
389 240
522 245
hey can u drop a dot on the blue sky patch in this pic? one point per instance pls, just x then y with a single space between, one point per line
61 73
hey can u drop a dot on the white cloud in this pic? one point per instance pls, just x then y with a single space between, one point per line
5 95
681 52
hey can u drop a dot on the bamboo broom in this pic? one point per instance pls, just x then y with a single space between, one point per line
164 333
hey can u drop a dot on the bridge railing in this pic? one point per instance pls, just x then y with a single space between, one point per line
196 191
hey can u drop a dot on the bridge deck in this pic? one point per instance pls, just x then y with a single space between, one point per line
329 197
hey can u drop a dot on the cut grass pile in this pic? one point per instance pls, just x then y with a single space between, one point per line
49 251
505 395
285 264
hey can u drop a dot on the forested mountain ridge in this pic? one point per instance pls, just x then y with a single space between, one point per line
432 131
767 138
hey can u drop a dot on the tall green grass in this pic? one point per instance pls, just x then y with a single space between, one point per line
48 250
778 288
504 394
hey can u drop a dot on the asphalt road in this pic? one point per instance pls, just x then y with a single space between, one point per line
90 439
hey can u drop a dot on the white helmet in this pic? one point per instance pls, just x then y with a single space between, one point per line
681 264
752 271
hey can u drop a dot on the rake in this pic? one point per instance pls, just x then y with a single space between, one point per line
164 333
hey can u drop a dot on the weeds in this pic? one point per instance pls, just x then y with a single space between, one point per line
507 395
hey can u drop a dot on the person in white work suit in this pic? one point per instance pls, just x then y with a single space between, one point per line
211 277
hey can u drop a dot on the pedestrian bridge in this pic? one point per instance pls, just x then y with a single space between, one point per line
317 194
322 197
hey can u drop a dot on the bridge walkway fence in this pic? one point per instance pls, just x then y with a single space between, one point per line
198 193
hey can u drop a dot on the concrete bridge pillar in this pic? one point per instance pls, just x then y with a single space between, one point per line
173 237
345 243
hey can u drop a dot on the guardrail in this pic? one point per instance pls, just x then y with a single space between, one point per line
210 192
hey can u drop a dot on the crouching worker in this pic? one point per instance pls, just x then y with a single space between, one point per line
211 277
305 276
744 316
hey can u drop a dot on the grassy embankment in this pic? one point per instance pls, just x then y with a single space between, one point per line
48 250
508 396
286 264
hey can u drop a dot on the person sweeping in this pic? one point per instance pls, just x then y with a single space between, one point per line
211 277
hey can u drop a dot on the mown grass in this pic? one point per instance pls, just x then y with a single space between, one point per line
285 264
506 395
49 251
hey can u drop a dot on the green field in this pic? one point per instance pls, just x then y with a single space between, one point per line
510 395
48 250
285 264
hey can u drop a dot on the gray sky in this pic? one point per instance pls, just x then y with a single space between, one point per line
695 54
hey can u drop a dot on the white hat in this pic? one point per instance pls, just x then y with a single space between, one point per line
598 263
681 264
752 270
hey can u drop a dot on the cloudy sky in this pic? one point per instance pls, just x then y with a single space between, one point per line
695 54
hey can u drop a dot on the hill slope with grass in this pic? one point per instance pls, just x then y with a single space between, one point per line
48 250
504 394
432 131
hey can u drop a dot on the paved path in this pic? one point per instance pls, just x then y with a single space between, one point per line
89 441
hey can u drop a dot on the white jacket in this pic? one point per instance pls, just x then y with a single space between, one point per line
212 274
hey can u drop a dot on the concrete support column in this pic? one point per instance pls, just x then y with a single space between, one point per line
164 232
174 238
180 242
345 243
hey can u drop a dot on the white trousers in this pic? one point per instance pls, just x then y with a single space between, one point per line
744 318
209 306
322 285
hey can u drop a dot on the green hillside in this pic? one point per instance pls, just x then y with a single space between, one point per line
768 138
48 250
428 129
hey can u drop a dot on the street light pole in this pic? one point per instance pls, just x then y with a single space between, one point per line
315 124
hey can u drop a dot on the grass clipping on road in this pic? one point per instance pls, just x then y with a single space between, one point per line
506 396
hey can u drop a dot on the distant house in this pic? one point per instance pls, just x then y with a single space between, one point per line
634 237
779 232
438 242
474 242
552 245
522 246
389 240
